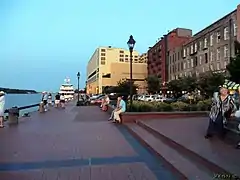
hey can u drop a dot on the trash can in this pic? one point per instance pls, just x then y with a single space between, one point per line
41 107
13 114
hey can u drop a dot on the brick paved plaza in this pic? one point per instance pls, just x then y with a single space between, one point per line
75 143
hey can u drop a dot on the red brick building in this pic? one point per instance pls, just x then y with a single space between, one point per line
157 55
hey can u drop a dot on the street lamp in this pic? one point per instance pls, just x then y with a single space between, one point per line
78 77
131 42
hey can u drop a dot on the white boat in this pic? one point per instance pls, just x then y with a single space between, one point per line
67 90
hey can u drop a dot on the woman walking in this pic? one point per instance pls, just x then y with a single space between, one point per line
222 108
2 104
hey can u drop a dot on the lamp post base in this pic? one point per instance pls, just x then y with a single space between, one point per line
78 103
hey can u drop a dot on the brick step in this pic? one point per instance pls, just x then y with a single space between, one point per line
202 160
178 162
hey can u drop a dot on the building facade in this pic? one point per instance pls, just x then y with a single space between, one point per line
209 49
109 65
157 55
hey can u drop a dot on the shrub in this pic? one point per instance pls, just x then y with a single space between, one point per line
180 106
162 106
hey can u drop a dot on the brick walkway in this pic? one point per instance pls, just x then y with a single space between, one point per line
75 143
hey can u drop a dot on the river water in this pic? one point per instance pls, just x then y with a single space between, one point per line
20 100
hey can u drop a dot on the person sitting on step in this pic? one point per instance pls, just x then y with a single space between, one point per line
119 110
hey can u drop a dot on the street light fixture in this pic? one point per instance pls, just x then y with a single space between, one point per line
78 77
131 42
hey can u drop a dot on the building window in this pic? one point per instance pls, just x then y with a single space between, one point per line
203 69
205 43
200 60
103 50
184 65
211 68
211 40
191 49
226 51
184 52
121 52
225 64
218 37
218 54
121 60
206 57
218 66
187 51
226 33
103 58
188 64
185 73
195 47
235 29
211 56
200 45
102 62
103 54
192 65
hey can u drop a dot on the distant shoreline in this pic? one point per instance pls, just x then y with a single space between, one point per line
18 91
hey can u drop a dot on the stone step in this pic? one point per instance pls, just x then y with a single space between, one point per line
212 156
179 163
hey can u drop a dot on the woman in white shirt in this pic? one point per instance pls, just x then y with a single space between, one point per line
2 104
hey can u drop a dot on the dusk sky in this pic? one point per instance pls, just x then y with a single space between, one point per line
43 41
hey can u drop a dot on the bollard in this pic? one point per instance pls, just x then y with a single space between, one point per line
41 107
13 115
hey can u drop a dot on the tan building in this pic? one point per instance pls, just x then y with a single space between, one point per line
109 65
209 49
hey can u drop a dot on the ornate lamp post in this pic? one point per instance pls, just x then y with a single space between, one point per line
78 77
131 42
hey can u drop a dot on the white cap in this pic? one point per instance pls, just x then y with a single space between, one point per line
2 92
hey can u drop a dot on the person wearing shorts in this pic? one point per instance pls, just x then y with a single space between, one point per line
62 101
57 100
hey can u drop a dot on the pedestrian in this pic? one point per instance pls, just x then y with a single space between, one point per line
45 100
2 105
222 108
62 100
50 102
57 100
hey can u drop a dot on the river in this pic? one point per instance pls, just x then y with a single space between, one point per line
22 100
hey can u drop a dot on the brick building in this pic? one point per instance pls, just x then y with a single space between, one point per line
157 55
209 49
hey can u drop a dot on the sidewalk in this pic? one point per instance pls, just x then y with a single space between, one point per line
75 143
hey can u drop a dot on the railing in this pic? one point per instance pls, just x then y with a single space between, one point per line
23 107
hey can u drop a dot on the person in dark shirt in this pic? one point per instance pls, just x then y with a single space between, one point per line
57 100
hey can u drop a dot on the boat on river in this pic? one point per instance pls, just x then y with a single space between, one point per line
67 89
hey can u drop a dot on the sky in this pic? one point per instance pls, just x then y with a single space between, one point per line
44 41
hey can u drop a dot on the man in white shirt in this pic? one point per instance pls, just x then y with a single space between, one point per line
2 105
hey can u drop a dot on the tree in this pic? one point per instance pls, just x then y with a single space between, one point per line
175 86
123 87
109 89
234 69
189 83
153 84
209 82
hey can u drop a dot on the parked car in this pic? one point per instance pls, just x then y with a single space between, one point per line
97 101
149 98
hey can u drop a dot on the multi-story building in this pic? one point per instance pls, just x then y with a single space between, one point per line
209 49
109 65
157 55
